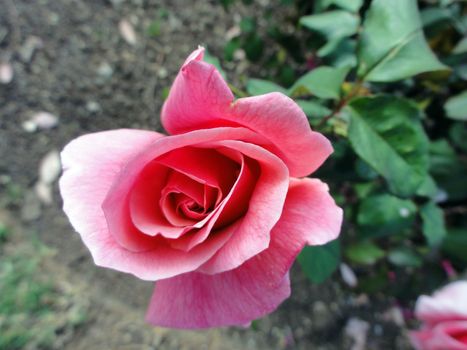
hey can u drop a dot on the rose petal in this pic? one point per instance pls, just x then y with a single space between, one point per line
451 335
264 210
91 165
6 73
259 285
206 166
198 95
195 300
449 303
176 196
191 162
127 32
284 124
200 98
233 206
116 206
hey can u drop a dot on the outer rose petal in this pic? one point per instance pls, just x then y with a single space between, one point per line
198 95
200 99
282 122
264 211
115 203
441 337
91 163
259 285
447 304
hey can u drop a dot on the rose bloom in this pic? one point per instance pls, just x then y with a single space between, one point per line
215 213
445 319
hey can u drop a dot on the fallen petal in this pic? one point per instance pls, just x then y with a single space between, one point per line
44 120
6 73
128 32
348 276
49 167
357 330
44 192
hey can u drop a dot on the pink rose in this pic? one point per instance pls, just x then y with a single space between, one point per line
216 212
445 319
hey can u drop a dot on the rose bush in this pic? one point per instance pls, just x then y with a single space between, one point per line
445 319
215 213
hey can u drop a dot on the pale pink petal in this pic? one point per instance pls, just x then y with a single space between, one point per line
450 335
206 166
127 32
178 195
91 165
264 209
198 96
312 201
116 206
190 161
6 73
200 99
258 286
313 212
195 300
144 205
449 303
232 207
279 119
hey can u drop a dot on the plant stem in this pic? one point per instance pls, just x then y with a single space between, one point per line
342 102
237 91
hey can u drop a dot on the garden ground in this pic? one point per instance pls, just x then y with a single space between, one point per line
81 61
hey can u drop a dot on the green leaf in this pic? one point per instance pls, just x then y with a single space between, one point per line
364 253
333 25
253 46
248 24
259 87
461 47
448 170
456 107
434 228
364 189
434 15
455 244
323 82
319 262
313 109
350 5
428 188
386 132
458 135
385 214
214 61
344 54
392 45
404 257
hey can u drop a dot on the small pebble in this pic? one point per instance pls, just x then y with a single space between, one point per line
93 106
357 330
105 70
29 47
6 73
40 121
49 167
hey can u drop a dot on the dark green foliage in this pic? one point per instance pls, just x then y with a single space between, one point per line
319 262
386 81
